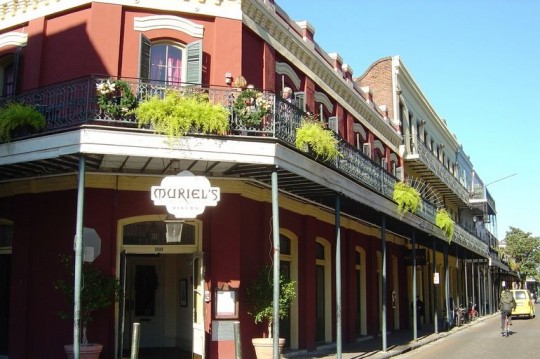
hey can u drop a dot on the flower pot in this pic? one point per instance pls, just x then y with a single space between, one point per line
90 351
264 347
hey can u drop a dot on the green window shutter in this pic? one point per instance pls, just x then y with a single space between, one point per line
144 59
194 63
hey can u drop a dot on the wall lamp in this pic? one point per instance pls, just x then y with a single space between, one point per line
228 78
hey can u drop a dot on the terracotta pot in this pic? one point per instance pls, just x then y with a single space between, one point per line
264 347
90 351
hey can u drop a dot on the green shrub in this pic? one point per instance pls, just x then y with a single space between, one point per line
260 298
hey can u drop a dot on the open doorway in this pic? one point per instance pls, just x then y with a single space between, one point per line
157 288
161 283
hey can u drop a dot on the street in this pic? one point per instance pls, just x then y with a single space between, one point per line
484 340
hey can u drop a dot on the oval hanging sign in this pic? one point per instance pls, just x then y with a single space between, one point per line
185 195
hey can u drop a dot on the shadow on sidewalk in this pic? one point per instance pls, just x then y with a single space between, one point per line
397 342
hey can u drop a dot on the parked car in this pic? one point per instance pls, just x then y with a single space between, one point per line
525 303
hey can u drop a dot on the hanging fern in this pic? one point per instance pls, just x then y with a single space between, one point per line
179 113
312 135
445 222
407 198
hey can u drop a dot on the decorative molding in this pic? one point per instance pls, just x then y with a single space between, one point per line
379 146
13 39
283 68
285 37
358 128
158 22
322 98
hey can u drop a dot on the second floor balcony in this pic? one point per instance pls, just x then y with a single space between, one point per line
421 159
70 106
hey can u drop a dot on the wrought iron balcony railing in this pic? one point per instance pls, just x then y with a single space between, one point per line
72 104
419 151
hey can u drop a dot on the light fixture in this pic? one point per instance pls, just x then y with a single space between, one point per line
228 78
173 232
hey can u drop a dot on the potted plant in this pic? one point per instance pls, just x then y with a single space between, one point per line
18 116
99 291
260 302
407 198
115 98
250 107
313 136
179 113
445 222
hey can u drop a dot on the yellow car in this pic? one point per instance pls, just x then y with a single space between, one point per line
525 304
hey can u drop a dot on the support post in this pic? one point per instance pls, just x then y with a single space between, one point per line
383 284
78 260
414 290
275 232
338 278
435 289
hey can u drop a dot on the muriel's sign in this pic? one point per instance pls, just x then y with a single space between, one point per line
185 195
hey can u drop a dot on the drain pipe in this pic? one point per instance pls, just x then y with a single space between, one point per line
78 261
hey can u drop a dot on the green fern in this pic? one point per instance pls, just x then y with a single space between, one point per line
16 115
312 135
178 113
445 222
407 198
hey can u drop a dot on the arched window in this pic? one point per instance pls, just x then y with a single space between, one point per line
170 62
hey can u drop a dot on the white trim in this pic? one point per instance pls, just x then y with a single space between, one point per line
158 22
13 39
358 128
366 149
322 98
283 68
377 144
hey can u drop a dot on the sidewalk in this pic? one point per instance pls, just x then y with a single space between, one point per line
397 342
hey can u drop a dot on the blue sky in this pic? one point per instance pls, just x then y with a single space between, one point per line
478 64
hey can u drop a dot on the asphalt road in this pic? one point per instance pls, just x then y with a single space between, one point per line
484 341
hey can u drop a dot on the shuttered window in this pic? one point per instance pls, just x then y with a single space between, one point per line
167 62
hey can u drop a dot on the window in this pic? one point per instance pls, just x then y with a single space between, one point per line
360 292
300 100
6 235
166 63
323 323
171 63
7 75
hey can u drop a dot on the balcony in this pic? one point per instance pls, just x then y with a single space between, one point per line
73 105
421 160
